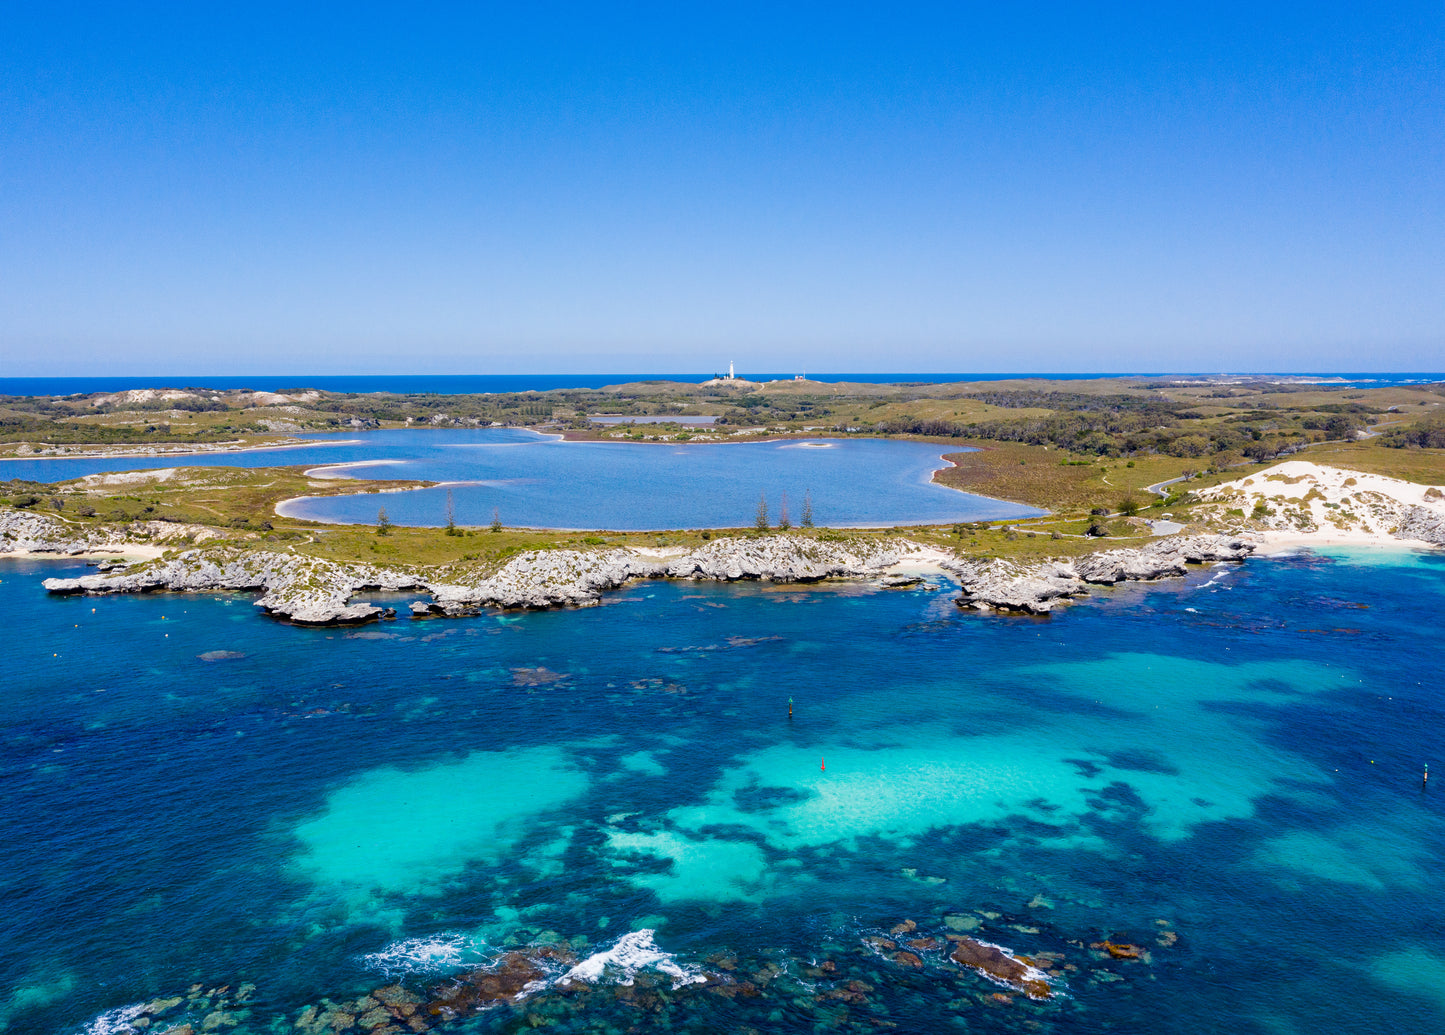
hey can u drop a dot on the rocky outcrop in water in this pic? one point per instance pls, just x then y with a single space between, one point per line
992 961
310 591
304 590
1036 589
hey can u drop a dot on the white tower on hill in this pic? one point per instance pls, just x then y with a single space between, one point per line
731 375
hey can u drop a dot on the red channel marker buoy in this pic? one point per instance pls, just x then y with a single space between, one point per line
823 764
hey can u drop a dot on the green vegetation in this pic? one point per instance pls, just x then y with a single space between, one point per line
1087 451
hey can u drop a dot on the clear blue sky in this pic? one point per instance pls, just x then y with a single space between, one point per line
623 187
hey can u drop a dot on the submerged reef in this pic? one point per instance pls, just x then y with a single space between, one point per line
848 981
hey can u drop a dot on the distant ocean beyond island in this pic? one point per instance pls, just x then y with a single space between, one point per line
462 384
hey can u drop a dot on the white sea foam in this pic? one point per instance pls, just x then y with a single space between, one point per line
439 954
117 1021
631 953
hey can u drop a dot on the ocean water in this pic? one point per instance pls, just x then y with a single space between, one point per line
459 384
542 481
1223 770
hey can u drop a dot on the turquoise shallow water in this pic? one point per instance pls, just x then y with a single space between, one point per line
542 481
1224 770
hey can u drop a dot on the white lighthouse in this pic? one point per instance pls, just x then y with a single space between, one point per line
731 375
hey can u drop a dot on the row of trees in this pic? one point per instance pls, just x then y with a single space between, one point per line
785 522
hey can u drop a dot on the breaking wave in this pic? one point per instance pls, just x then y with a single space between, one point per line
116 1022
439 954
631 953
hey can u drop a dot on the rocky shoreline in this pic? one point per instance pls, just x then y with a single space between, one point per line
311 591
1001 585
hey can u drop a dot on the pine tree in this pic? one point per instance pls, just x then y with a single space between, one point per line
783 521
496 519
761 521
807 518
383 523
452 516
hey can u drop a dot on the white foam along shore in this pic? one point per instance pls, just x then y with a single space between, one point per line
1302 504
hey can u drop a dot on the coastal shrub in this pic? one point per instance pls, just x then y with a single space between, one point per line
1128 506
1099 511
383 523
25 500
1261 511
1097 530
496 519
1055 535
85 510
1431 493
706 534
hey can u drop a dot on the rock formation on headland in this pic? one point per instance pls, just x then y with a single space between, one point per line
1035 589
311 591
24 531
300 589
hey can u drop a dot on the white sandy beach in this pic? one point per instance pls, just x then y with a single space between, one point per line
1311 505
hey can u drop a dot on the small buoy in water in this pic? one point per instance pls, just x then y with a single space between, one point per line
823 764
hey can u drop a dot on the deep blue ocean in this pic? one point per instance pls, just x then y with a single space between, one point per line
1224 771
533 480
458 384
